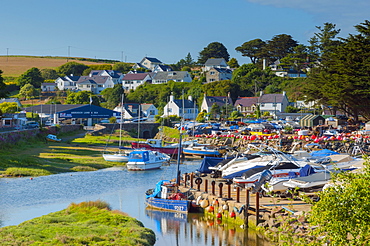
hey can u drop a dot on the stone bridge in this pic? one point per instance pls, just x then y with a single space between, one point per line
147 130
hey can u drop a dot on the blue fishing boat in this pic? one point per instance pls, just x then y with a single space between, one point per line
166 197
166 194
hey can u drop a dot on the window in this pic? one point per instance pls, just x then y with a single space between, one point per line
212 73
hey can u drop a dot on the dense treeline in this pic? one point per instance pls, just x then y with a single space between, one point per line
337 73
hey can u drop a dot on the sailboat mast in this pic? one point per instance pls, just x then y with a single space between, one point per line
120 126
180 141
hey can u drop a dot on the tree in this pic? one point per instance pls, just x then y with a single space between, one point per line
122 67
49 74
3 92
201 117
31 76
297 59
342 213
233 63
278 47
342 80
8 107
252 49
213 50
72 68
215 111
82 97
115 97
28 91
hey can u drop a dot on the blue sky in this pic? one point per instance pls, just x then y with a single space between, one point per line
167 30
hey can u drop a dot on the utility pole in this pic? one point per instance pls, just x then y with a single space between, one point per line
69 51
7 54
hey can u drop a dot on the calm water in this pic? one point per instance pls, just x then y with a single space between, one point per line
22 199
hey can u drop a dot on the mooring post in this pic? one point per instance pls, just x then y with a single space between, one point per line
185 179
237 194
229 191
220 186
213 183
246 214
257 207
191 180
206 186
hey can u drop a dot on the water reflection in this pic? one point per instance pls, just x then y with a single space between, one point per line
196 229
23 199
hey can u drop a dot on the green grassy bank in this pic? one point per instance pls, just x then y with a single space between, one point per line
86 223
36 157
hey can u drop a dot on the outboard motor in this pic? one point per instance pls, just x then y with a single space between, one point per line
265 176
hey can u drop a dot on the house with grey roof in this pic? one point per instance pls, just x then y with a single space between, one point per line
218 74
273 103
162 68
96 81
176 76
48 86
132 80
185 108
215 63
208 102
149 111
246 105
148 63
67 83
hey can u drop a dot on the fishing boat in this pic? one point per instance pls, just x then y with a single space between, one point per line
202 150
166 194
53 138
156 145
121 155
140 160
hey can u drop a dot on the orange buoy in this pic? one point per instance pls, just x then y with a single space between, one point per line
219 216
232 214
210 209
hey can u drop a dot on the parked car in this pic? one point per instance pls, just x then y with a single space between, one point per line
32 124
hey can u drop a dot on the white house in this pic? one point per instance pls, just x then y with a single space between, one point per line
176 76
148 63
132 80
215 63
185 108
273 103
48 86
67 82
96 81
149 111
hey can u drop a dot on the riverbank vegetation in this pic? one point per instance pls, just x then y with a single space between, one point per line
36 157
86 223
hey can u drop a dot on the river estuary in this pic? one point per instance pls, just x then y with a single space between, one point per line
22 199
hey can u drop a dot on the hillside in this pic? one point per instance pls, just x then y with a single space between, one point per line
16 65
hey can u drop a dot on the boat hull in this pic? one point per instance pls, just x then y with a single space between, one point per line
172 151
116 157
210 153
142 166
181 206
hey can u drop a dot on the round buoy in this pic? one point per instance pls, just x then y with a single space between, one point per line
225 207
219 216
210 209
204 203
232 214
215 203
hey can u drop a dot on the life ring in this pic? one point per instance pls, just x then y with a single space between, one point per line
198 181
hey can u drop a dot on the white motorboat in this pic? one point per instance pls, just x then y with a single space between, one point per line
309 183
140 160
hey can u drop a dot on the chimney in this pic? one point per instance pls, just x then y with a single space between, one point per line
172 98
190 98
261 93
